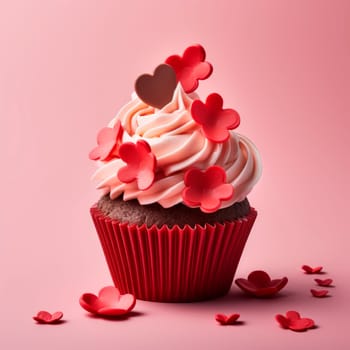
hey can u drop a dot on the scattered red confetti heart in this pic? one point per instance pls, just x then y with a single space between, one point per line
157 90
214 120
206 189
227 320
324 283
319 293
109 302
46 317
141 164
191 67
310 270
259 284
293 321
107 140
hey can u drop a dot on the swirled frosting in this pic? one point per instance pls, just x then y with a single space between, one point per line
178 144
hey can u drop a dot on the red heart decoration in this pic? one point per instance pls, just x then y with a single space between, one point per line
157 90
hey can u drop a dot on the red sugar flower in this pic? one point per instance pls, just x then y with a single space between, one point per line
259 284
227 320
109 302
215 120
107 140
324 283
141 164
311 270
293 321
46 317
206 188
191 67
319 293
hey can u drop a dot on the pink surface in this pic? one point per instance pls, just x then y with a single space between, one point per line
65 69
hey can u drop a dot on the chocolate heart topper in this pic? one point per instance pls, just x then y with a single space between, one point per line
157 90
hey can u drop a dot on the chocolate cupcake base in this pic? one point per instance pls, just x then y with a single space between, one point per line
154 214
173 263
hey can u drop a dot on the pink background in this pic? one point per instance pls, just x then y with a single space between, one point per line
67 66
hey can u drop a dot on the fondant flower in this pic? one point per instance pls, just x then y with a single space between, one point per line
107 140
319 293
206 189
191 67
141 164
324 283
46 317
293 321
214 120
310 270
259 284
109 302
227 320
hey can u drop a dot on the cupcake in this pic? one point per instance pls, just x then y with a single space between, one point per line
174 217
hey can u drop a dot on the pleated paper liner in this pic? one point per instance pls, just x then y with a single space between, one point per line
173 264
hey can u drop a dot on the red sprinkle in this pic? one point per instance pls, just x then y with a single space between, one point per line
227 320
310 270
294 322
319 293
324 283
46 317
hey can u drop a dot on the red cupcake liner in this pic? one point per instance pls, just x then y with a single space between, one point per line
173 264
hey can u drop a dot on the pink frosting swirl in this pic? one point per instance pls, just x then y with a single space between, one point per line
178 144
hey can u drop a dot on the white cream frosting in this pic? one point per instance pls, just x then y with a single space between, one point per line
178 143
